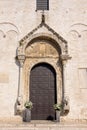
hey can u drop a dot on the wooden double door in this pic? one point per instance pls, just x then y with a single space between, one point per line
43 92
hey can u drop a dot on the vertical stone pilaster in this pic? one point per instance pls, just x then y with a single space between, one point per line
64 78
21 59
64 59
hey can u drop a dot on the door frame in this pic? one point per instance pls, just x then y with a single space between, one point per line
30 63
26 63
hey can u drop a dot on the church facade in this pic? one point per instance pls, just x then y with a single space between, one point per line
43 58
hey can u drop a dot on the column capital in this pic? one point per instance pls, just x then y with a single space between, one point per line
64 58
21 59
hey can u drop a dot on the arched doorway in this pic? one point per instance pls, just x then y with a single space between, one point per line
43 91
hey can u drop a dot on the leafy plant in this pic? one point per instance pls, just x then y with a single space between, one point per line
28 104
57 107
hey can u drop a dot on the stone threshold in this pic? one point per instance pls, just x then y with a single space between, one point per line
42 123
17 122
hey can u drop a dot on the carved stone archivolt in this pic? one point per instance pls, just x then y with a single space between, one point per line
37 48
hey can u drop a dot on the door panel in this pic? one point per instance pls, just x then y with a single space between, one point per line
43 92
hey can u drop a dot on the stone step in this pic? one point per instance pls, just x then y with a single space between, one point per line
17 124
43 126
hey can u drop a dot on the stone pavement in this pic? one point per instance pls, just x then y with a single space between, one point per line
42 125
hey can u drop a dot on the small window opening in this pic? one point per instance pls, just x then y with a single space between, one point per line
42 5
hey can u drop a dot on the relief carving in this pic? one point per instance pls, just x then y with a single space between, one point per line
77 30
41 50
2 34
74 35
66 106
7 27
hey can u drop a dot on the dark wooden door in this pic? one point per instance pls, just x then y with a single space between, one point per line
43 92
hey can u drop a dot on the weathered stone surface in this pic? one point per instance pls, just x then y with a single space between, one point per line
64 20
4 78
46 127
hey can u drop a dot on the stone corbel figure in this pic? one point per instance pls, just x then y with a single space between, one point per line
19 106
66 106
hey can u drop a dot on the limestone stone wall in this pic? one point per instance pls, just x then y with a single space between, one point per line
69 19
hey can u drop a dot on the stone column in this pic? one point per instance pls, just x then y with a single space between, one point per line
64 59
64 78
21 59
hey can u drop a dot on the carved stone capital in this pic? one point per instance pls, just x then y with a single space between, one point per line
64 58
19 105
21 59
19 109
66 106
19 100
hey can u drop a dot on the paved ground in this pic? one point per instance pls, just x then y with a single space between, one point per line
42 125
